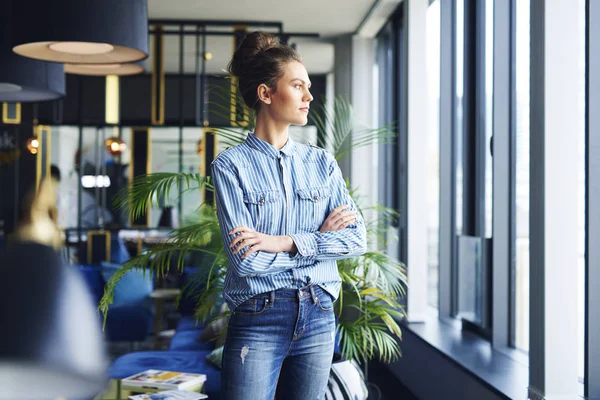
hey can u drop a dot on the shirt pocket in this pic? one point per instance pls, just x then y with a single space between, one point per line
265 210
312 207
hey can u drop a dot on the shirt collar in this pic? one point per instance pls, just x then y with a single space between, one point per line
268 148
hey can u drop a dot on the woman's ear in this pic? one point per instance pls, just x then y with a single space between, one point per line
264 93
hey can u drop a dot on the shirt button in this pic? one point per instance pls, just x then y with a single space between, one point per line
262 201
316 198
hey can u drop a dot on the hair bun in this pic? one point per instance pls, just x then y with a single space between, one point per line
252 45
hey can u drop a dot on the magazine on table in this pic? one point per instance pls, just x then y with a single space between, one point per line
170 395
168 380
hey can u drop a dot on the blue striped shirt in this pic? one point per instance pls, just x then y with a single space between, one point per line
283 192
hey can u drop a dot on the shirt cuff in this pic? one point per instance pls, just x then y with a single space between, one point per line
306 244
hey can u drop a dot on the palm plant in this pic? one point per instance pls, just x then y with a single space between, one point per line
371 283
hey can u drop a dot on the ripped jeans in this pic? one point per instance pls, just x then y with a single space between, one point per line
281 343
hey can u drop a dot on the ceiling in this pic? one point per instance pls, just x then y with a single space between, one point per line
328 18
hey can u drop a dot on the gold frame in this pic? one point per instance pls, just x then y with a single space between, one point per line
161 107
233 88
89 244
45 146
111 99
6 119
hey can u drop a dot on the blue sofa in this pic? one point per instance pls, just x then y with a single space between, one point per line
131 322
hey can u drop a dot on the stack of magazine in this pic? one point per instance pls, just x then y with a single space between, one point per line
170 395
154 380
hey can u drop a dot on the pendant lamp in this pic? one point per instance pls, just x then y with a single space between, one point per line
23 79
104 69
83 32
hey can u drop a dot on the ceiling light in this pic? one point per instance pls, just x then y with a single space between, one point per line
92 181
33 145
104 69
81 48
82 32
115 145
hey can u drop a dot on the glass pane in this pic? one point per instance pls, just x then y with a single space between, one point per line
65 142
489 91
581 194
433 188
522 177
165 158
459 40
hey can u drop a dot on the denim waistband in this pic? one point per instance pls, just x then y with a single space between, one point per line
303 292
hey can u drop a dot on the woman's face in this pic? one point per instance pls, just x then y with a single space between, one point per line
291 101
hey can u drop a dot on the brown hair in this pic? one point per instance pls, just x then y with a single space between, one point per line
260 58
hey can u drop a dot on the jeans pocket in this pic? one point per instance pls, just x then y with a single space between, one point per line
252 307
324 301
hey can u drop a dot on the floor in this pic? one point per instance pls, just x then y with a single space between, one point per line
383 385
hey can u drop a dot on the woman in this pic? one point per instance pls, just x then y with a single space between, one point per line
286 217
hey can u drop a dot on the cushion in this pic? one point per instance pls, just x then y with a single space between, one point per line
94 280
118 250
132 289
188 340
189 323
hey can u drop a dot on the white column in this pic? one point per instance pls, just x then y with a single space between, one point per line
555 124
364 171
416 106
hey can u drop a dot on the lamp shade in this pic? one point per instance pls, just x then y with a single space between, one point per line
23 79
104 69
51 342
88 32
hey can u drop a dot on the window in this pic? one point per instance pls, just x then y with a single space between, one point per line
433 139
459 79
392 179
521 276
473 160
581 193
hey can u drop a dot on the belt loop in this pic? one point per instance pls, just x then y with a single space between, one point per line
313 295
272 295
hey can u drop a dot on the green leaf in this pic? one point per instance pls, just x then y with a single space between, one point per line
146 190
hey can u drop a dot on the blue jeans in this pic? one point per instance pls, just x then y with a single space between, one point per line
279 342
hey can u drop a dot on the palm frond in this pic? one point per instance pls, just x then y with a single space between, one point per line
385 273
230 136
147 190
344 135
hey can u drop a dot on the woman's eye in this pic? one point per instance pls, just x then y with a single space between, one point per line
297 86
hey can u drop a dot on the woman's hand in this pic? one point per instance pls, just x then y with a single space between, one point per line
259 242
338 219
